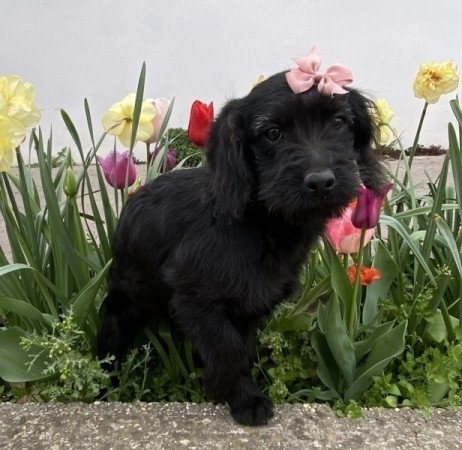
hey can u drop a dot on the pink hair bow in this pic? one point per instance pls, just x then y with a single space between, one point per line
307 75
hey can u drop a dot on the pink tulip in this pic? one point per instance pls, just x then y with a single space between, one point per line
344 236
114 167
367 211
161 107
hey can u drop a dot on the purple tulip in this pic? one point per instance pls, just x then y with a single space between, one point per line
115 169
171 158
368 206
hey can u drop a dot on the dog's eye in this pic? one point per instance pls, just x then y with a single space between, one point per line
338 122
273 134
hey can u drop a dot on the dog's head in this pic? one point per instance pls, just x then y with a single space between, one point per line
295 154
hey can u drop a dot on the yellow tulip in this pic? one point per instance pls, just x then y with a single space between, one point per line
382 115
118 120
434 79
11 135
17 101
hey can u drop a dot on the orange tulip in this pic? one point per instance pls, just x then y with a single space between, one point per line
367 274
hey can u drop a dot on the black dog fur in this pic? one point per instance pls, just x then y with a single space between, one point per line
218 247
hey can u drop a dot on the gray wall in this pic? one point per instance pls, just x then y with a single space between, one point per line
214 50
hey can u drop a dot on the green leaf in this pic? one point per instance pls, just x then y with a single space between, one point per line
21 308
380 289
297 322
338 340
385 348
393 223
327 369
138 103
436 331
175 358
310 296
339 279
14 359
12 268
456 162
448 237
437 391
84 301
365 346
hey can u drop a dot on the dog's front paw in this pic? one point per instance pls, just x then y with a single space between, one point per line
256 410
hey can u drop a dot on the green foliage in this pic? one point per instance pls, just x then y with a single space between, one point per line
351 409
154 373
74 374
185 149
432 378
286 360
396 342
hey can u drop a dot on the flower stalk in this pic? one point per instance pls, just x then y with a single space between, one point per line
356 297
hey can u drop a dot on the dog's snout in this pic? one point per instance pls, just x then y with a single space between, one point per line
320 181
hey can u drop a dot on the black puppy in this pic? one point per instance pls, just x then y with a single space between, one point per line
218 247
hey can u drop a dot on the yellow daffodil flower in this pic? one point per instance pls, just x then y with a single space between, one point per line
434 79
17 112
382 115
17 101
11 135
259 80
118 120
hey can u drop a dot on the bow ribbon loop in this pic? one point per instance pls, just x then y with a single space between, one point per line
307 75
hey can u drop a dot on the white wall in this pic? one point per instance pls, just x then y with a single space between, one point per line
214 50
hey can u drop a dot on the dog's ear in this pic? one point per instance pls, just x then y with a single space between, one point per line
231 179
365 136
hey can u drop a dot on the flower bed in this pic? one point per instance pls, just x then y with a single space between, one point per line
377 322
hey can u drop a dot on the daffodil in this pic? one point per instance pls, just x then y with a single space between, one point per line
434 79
17 112
382 115
118 120
11 135
259 80
17 101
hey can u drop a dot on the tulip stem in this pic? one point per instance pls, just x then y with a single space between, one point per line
356 298
148 162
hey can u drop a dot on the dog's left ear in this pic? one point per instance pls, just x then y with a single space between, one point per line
365 135
230 174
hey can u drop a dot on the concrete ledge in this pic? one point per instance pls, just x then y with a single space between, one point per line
206 426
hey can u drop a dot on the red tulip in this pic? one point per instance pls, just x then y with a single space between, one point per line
114 168
367 211
199 122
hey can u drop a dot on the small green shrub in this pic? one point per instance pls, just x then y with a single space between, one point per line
185 149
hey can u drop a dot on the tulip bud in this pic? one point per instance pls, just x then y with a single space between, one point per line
70 183
367 211
199 122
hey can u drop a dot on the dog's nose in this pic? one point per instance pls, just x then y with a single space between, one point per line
320 181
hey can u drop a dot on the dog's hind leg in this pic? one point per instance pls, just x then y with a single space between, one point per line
227 359
122 320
